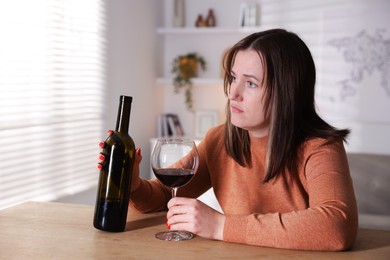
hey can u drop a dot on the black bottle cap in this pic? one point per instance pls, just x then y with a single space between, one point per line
125 98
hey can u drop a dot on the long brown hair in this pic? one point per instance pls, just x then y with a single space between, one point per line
289 100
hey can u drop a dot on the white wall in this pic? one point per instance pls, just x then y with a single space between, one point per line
131 36
132 63
349 40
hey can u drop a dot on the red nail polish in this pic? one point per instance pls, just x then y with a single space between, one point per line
110 132
101 157
102 144
139 151
99 167
169 226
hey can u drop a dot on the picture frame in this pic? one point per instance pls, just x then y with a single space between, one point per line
204 120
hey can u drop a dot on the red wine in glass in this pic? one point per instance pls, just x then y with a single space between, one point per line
173 177
174 162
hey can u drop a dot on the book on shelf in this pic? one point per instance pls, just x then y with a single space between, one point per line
169 125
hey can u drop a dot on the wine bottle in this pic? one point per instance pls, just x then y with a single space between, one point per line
113 191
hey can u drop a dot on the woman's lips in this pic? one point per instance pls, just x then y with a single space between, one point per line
235 109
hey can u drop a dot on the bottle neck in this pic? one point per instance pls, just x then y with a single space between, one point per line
123 119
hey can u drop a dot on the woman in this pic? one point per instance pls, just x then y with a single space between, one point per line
279 172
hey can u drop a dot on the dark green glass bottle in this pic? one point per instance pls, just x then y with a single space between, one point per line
113 191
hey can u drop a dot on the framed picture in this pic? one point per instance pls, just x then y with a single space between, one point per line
204 120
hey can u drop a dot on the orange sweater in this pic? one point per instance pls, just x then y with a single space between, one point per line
316 211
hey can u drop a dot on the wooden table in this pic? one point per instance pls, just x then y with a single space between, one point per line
37 230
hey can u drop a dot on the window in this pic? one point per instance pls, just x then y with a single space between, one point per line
51 96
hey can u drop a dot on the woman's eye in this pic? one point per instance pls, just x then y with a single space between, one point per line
251 84
233 78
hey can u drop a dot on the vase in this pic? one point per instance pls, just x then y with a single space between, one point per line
178 13
188 67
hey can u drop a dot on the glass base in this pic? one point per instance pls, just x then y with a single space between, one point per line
174 235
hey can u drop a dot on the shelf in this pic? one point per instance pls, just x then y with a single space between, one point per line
196 81
212 30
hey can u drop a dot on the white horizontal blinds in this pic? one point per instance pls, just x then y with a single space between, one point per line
51 96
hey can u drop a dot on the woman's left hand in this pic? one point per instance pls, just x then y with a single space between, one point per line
194 216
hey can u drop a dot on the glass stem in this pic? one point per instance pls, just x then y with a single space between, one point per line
174 191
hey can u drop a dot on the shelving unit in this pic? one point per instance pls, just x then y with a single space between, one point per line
208 42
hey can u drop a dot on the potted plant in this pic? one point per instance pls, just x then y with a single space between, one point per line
185 67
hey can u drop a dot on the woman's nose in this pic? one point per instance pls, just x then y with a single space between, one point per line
235 92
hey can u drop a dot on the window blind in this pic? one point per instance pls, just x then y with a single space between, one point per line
51 97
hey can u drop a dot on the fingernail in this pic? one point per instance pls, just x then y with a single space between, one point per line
102 144
169 227
99 167
101 157
139 151
110 132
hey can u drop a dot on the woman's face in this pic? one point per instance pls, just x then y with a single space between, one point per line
246 93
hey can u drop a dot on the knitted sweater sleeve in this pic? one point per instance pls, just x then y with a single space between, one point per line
330 221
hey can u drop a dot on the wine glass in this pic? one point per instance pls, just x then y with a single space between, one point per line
174 162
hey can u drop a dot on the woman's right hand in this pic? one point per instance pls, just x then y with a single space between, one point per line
136 181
